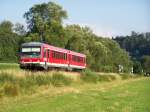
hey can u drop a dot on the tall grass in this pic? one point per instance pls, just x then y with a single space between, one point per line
92 77
1 93
33 80
60 80
6 77
89 76
11 89
12 85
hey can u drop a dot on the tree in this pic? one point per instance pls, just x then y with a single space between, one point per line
138 46
8 42
46 20
137 68
76 37
19 29
102 54
146 63
6 26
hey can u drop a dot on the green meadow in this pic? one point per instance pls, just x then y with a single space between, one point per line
59 91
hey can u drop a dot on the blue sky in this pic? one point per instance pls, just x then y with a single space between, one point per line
104 17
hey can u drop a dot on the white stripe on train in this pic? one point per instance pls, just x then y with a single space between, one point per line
55 64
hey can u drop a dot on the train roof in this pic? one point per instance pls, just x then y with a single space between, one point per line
32 44
53 48
77 54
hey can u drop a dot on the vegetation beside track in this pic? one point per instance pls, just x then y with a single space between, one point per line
129 95
55 91
14 82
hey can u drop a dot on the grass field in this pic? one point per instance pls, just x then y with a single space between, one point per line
132 95
53 91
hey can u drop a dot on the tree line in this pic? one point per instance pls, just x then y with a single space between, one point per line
138 46
45 24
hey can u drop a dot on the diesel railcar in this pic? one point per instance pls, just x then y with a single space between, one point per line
41 55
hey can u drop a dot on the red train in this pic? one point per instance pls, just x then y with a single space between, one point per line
40 55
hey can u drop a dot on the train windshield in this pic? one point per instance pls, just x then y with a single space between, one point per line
30 51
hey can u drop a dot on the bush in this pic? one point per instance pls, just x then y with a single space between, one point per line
11 89
59 79
89 76
107 69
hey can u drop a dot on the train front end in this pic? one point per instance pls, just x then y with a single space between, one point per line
31 55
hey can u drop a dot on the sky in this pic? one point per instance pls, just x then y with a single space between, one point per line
105 17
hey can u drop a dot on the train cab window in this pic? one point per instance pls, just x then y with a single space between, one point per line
31 51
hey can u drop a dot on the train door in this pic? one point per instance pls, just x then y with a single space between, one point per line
69 59
48 55
46 58
69 62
